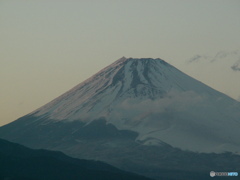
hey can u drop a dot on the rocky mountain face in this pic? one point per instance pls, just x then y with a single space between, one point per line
142 115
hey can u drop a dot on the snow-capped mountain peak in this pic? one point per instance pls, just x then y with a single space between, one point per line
155 100
144 78
137 112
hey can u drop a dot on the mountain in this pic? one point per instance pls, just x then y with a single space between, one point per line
140 115
20 163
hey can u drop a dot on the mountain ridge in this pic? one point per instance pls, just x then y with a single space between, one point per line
118 67
132 94
136 111
19 162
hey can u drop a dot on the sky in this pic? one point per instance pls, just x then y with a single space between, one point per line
49 46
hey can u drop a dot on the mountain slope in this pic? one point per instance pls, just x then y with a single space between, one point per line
137 114
124 79
19 162
155 100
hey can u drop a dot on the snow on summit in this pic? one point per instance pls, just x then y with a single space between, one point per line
156 100
144 78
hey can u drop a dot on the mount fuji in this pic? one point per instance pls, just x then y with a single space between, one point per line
139 115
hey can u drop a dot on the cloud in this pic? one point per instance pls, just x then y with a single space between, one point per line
136 113
219 56
195 58
198 58
174 101
236 66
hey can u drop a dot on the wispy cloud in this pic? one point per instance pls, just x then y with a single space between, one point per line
236 66
195 58
198 58
155 113
173 100
219 56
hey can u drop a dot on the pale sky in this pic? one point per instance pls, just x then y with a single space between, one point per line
49 46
